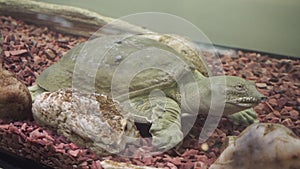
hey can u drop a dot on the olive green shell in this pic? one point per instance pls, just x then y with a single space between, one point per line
119 63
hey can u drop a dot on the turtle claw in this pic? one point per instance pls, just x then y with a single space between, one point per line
35 91
245 117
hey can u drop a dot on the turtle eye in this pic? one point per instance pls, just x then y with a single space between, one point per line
239 87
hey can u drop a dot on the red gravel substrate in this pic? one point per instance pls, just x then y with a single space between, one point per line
28 50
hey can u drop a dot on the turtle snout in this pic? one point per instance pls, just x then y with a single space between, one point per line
260 97
263 98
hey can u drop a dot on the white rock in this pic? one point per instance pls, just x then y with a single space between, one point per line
93 121
261 146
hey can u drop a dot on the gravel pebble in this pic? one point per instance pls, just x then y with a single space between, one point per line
260 85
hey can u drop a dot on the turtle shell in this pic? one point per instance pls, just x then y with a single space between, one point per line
189 51
123 63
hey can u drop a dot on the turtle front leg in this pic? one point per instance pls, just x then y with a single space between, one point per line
166 124
245 117
163 113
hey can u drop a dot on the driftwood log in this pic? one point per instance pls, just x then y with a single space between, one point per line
65 19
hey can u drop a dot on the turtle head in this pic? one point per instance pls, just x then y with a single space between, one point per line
240 94
231 93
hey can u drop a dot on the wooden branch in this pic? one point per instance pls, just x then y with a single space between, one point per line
65 19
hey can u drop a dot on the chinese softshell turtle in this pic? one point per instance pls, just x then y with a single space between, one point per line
163 78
